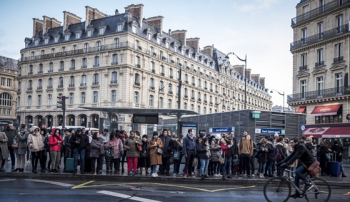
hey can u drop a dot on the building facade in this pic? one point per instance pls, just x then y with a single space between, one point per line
124 60
321 60
8 91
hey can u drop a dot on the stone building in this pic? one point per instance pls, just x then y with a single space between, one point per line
124 60
8 91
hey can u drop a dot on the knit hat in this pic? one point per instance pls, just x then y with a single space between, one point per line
144 136
218 136
201 135
155 133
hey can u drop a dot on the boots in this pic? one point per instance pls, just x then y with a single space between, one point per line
223 177
261 175
202 176
21 170
141 168
147 173
198 172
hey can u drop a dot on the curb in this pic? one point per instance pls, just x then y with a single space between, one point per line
197 180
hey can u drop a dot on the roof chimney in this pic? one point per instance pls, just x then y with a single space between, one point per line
69 18
156 21
262 81
180 35
116 12
208 50
193 42
37 25
92 14
135 10
239 68
50 23
255 77
247 73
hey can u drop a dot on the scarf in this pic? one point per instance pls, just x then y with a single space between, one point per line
190 136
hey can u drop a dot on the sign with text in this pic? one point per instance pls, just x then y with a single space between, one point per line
221 130
269 131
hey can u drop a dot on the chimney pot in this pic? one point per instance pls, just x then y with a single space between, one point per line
169 31
116 12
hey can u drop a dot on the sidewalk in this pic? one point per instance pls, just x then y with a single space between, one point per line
333 181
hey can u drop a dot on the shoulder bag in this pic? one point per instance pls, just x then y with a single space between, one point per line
176 155
159 151
313 169
15 145
221 160
110 153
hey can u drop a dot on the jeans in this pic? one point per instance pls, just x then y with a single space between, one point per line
132 160
204 166
262 167
246 163
291 169
216 167
269 167
36 156
154 167
228 162
342 167
189 161
78 152
116 164
300 175
12 155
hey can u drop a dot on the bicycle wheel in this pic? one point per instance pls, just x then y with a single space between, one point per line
321 192
277 189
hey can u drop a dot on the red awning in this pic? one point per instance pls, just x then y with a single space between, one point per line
328 132
325 110
301 110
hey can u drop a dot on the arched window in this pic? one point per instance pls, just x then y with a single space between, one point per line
114 96
151 100
5 99
185 91
95 99
116 43
160 102
49 99
170 90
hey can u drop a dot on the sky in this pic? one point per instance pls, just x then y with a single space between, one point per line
259 29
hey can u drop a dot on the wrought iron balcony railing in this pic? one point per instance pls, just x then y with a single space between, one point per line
338 60
324 93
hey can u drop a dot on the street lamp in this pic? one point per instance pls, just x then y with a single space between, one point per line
245 77
160 89
280 94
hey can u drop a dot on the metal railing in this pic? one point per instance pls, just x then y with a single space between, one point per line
82 84
324 93
338 60
316 38
113 81
60 86
318 11
319 64
95 83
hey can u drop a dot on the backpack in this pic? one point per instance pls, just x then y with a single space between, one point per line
278 155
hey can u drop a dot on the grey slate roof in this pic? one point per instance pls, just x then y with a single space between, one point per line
8 63
302 2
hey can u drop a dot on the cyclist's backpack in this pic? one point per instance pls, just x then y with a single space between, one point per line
278 155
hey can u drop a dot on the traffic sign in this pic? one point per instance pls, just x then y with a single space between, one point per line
302 127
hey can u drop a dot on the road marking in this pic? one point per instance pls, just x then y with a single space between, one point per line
84 185
7 180
51 182
347 194
126 196
81 185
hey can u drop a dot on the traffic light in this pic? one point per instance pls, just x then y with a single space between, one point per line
61 102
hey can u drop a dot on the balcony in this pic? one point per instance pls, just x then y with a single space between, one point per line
193 84
30 73
84 67
82 84
72 68
60 86
171 76
338 60
325 93
186 96
114 63
49 87
162 74
39 88
96 83
170 92
71 85
114 82
137 84
96 65
319 11
61 70
138 65
151 87
40 72
319 64
30 88
50 70
303 68
320 37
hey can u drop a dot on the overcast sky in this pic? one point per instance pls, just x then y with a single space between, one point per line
259 28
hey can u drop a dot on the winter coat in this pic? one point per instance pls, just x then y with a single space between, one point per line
295 163
233 150
224 145
131 148
67 146
96 145
323 159
309 146
263 156
189 144
84 141
302 153
156 159
177 146
53 141
3 146
35 141
167 145
338 150
201 151
21 139
282 151
11 134
144 161
117 145
246 147
271 153
215 149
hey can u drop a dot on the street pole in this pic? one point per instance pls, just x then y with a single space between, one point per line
179 101
283 102
245 82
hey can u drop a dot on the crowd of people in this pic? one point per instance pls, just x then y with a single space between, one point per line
220 156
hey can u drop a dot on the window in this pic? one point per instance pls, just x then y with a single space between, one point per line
170 72
338 50
160 104
66 37
101 31
120 27
40 83
137 78
83 97
95 79
5 99
86 47
320 30
114 96
29 100
98 45
84 63
192 107
30 69
42 52
161 69
205 97
340 23
339 82
61 65
46 41
71 98
114 77
83 80
89 33
199 96
186 78
185 92
77 35
169 104
167 44
210 99
304 35
133 29
151 100
72 64
204 110
97 61
304 60
30 83
158 40
137 61
199 109
161 86
137 44
151 50
57 38
72 81
161 55
192 94
319 86
152 66
205 84
193 82
115 59
61 81
116 43
50 82
95 98
33 55
136 97
210 111
319 57
49 99
199 83
9 81
149 36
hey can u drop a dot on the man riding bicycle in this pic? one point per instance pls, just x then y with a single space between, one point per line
303 154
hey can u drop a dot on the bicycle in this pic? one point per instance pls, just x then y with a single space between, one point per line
279 189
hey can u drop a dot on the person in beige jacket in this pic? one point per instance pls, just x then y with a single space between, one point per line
36 146
245 151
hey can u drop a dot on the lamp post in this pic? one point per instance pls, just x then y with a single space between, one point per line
280 94
160 89
245 77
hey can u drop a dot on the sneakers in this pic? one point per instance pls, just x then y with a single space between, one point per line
308 187
253 175
295 195
343 175
192 175
185 175
216 175
174 175
154 175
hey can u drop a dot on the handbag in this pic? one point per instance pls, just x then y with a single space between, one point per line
195 161
221 160
171 160
328 156
176 155
313 169
139 147
110 153
143 154
159 151
15 145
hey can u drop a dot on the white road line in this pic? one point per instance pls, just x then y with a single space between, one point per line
7 180
126 196
51 182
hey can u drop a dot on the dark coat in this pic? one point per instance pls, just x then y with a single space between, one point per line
309 146
156 159
271 153
177 146
131 148
338 150
188 144
282 150
233 150
302 153
68 152
96 145
84 141
323 159
21 139
144 161
11 134
167 145
201 151
263 156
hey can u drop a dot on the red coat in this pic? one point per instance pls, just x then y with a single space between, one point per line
53 142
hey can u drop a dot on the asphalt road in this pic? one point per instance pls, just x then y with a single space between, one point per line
12 190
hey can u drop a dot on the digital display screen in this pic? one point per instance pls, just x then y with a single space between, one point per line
145 118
